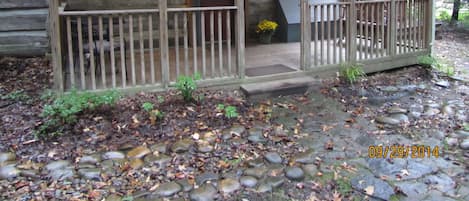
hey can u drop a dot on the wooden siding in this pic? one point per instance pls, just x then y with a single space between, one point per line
23 27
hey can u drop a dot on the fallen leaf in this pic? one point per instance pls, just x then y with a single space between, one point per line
336 196
369 190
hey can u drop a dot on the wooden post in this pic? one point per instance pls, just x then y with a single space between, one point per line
352 37
430 20
164 45
393 32
305 35
56 45
240 39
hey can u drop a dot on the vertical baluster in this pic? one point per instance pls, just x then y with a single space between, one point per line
383 22
194 41
316 33
80 52
341 29
220 43
132 50
186 45
176 43
151 46
228 42
367 29
203 46
71 59
415 24
362 10
388 31
373 28
328 31
101 51
322 33
122 52
142 49
336 20
112 52
91 49
212 42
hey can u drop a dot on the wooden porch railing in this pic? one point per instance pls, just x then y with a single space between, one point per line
103 49
370 31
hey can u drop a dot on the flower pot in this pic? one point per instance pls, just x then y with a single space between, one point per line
265 38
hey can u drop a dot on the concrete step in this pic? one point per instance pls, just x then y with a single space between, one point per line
278 87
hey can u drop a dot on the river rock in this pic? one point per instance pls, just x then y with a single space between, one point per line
248 181
90 174
273 157
452 141
93 159
258 162
136 163
138 152
464 144
294 173
448 110
400 117
168 189
181 146
237 130
462 133
160 160
275 182
229 185
160 148
206 176
7 157
204 147
9 172
387 120
257 172
112 155
396 110
62 174
185 184
382 190
57 165
205 192
305 157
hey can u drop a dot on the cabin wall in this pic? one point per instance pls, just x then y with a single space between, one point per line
23 27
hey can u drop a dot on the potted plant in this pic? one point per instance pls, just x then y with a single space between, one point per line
266 30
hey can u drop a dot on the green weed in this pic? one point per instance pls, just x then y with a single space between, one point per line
352 72
187 86
18 95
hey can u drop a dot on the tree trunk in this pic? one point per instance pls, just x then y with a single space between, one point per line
455 15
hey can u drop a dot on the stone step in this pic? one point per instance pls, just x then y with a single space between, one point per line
278 87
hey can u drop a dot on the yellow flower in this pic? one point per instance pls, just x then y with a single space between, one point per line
266 26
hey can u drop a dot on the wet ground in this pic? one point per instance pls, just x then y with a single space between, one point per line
397 135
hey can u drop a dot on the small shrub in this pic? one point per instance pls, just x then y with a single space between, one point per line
433 63
427 61
160 99
231 112
148 106
220 107
64 110
444 16
153 114
352 72
187 85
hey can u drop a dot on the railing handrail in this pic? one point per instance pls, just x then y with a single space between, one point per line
62 12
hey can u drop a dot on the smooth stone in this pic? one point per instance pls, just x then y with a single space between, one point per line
310 170
90 174
168 189
256 162
160 160
181 146
206 176
237 130
388 88
275 182
264 188
62 174
4 157
443 83
387 120
113 155
431 112
204 147
464 144
248 181
448 110
294 173
93 159
185 184
114 197
160 148
441 182
400 117
397 110
205 192
136 163
452 141
305 157
382 190
229 185
138 152
273 157
256 138
209 137
256 172
9 172
57 165
462 133
412 189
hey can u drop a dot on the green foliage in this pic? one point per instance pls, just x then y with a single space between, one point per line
47 95
160 99
430 62
16 96
444 16
352 72
231 112
466 126
343 186
64 110
148 106
187 85
220 107
128 198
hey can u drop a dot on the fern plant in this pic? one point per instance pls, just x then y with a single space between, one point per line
187 86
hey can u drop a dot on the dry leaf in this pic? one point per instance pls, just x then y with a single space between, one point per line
370 190
336 196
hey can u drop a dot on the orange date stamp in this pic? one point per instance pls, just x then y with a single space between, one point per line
401 151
